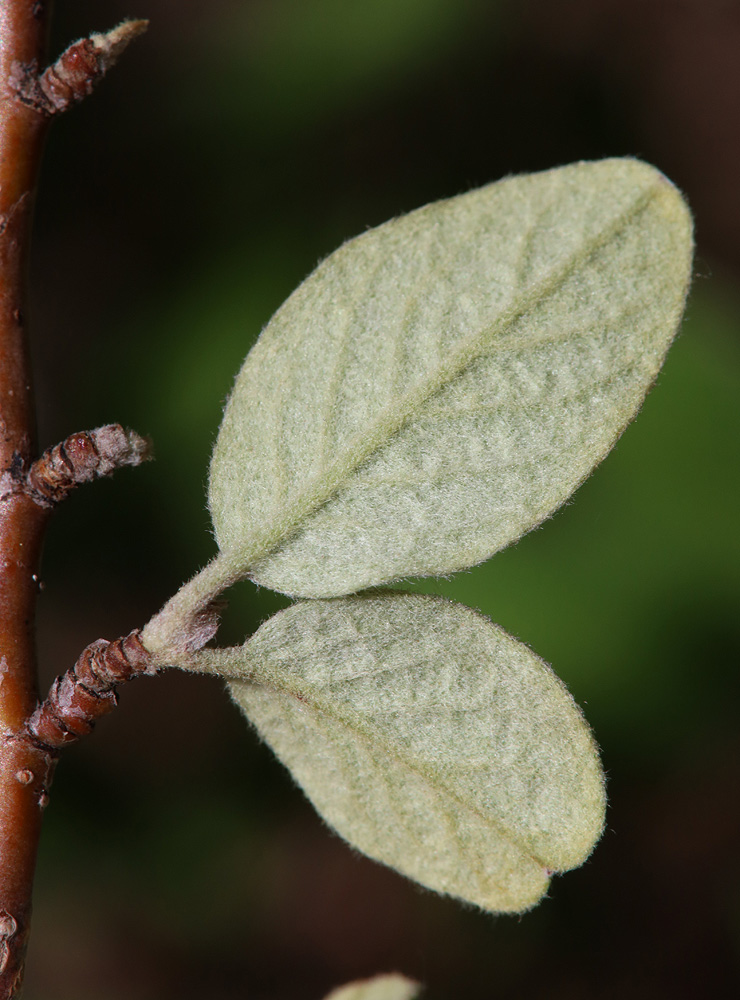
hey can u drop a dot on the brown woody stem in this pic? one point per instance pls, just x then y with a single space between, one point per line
22 521
26 102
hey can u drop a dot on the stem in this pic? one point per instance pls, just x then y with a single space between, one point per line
188 620
27 103
25 771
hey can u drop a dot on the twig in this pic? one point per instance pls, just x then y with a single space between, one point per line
27 102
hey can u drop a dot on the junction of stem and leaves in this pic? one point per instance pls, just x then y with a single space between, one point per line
436 388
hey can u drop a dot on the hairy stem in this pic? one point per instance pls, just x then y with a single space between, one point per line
190 618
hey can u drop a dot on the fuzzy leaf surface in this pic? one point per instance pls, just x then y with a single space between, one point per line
390 987
428 738
440 385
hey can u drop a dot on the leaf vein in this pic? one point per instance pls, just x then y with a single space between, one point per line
389 422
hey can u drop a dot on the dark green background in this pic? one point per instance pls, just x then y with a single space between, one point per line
235 145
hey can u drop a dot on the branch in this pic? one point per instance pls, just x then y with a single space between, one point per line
27 102
21 520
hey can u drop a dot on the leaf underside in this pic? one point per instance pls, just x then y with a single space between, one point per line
390 987
428 738
441 384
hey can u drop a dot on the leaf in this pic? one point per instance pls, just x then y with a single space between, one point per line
441 384
391 987
428 738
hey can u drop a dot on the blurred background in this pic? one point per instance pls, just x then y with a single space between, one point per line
235 145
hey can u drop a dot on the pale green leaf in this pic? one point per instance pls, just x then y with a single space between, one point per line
441 384
391 987
428 738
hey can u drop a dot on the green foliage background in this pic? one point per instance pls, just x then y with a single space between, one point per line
233 148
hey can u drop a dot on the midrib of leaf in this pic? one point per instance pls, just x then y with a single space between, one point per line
472 472
309 697
390 421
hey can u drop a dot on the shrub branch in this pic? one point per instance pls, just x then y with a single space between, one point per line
28 100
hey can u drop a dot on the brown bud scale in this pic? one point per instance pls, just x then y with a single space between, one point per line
72 77
75 73
83 457
83 694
